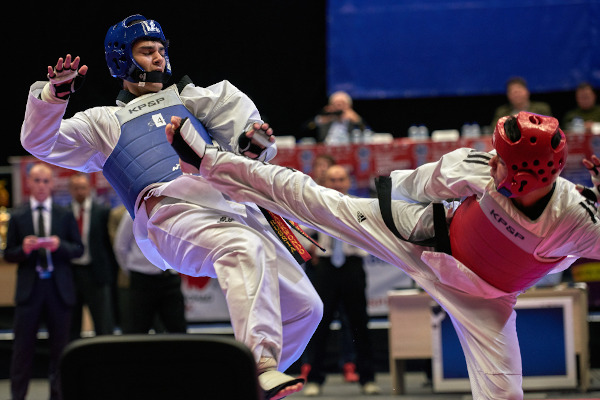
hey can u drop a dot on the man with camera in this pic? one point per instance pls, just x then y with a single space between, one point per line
337 120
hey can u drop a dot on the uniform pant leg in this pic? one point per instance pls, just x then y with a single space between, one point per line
301 310
248 264
487 332
295 195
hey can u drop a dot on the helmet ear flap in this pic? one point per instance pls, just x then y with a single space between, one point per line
522 181
117 63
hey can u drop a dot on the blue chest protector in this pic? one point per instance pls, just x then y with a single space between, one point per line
142 155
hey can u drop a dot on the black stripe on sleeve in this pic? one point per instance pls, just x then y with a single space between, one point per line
478 157
590 210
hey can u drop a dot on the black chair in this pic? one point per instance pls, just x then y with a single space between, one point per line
165 367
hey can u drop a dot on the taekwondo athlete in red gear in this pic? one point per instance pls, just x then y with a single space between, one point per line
273 307
513 203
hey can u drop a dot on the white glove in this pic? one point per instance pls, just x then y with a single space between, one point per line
259 146
64 79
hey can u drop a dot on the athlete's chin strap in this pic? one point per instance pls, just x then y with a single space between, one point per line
142 77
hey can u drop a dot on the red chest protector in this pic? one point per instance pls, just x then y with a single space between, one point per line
499 250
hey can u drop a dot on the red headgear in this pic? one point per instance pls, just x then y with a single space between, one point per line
533 160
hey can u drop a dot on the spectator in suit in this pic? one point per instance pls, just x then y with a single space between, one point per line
152 292
95 270
42 238
518 94
587 109
340 280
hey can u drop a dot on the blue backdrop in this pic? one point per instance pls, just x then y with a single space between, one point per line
420 48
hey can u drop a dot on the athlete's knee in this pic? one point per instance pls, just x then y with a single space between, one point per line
308 308
315 308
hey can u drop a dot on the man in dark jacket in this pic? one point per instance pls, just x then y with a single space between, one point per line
42 238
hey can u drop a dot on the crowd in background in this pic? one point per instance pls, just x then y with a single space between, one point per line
338 122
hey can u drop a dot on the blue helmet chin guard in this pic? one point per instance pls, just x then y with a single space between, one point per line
119 42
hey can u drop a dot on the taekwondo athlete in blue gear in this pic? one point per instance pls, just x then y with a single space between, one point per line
274 309
142 157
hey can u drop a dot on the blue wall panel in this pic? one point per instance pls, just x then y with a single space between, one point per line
380 49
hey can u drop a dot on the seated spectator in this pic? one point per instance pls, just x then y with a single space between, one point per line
517 94
587 109
335 123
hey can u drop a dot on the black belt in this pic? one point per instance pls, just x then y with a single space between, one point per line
441 240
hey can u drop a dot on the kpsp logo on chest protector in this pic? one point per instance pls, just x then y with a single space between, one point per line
143 155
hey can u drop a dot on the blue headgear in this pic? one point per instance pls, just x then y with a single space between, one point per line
117 49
